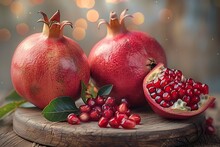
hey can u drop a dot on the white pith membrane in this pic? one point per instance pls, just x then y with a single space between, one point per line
179 104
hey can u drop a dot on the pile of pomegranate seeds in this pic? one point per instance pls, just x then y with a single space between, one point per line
106 112
210 129
170 85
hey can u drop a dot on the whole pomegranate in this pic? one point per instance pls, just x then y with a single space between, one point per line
48 65
123 58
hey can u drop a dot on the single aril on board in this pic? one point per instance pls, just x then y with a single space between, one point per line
171 95
73 119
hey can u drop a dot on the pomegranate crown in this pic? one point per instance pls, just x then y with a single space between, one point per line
53 27
115 25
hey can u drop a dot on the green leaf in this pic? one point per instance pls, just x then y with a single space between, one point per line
59 108
10 107
83 91
105 90
13 96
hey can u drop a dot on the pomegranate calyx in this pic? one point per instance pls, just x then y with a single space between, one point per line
53 28
115 25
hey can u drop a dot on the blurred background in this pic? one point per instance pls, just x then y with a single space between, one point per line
189 30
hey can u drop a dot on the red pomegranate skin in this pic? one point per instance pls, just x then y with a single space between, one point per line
123 61
44 68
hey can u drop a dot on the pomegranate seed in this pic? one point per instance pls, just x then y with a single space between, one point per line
125 101
164 104
73 119
176 87
120 116
197 85
186 99
158 99
107 113
99 100
91 102
197 92
163 83
128 113
84 117
114 123
103 122
153 95
128 123
195 100
182 92
190 81
105 107
174 95
209 121
178 78
152 89
160 92
194 107
171 103
98 108
157 83
110 101
84 108
150 85
210 130
166 96
178 73
123 108
189 92
188 86
136 118
94 115
167 88
205 89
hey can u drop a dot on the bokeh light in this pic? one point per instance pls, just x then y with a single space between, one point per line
92 15
85 3
5 34
79 33
36 2
114 1
165 15
22 29
17 8
5 2
82 23
138 18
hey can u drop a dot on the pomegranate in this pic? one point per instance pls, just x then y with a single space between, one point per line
171 95
123 58
48 65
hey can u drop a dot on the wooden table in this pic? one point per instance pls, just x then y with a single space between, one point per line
9 139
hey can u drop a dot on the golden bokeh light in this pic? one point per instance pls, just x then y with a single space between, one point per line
79 33
138 18
5 34
36 2
85 3
17 8
82 23
22 29
92 15
114 1
5 2
165 15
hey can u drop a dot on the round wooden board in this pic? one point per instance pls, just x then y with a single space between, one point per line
153 131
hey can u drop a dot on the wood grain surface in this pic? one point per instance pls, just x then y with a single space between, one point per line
153 131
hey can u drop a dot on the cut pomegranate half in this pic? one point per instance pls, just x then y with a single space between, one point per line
171 95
